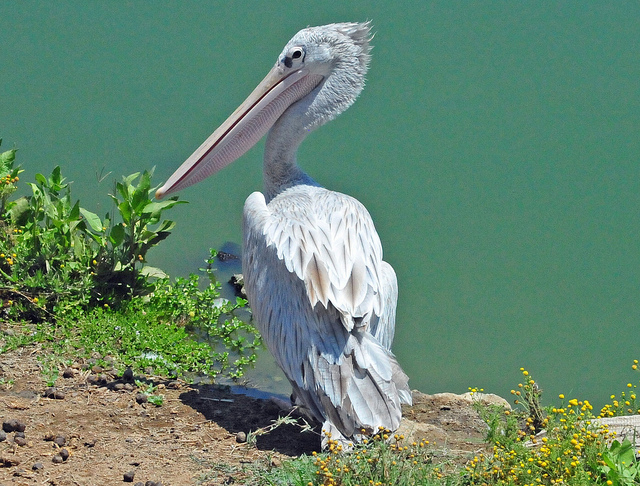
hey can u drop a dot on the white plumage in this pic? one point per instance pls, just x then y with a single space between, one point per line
322 297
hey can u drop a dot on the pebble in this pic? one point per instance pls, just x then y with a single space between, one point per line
3 435
97 369
241 437
37 466
128 375
60 440
13 425
141 398
128 476
21 441
69 373
57 459
19 434
53 392
64 453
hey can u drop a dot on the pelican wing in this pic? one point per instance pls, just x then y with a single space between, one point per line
329 241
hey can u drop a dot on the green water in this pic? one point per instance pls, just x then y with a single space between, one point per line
496 146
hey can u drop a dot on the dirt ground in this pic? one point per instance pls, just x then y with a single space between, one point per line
95 428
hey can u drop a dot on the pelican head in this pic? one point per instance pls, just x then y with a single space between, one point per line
318 75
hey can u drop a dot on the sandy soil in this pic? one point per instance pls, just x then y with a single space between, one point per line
95 428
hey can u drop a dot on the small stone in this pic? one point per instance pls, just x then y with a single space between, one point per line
12 425
128 375
60 440
19 434
53 392
119 387
69 373
21 441
3 435
241 437
37 466
97 369
128 476
129 387
57 459
141 398
64 453
90 443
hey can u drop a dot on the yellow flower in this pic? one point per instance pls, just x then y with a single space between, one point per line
561 396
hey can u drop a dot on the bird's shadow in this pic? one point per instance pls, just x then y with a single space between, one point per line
242 414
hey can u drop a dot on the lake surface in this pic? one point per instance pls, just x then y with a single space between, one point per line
496 146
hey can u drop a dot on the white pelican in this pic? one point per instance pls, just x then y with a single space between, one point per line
322 297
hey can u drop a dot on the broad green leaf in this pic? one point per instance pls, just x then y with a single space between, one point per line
41 180
158 206
92 219
154 272
117 235
125 211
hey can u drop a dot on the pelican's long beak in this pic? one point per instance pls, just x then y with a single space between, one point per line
245 127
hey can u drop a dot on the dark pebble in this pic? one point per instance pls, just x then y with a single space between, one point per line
60 440
128 476
3 435
21 441
128 375
57 459
241 437
53 392
19 434
141 398
64 453
37 466
69 373
13 425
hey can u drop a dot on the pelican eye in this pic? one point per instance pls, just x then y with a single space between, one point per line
295 54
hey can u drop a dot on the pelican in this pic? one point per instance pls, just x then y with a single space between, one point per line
321 295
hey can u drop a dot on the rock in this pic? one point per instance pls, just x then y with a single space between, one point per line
53 392
13 425
97 369
37 466
128 476
60 440
141 398
64 453
21 441
241 437
19 434
57 459
3 435
128 375
69 373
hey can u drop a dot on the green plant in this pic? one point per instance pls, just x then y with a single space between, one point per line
149 390
52 248
620 467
